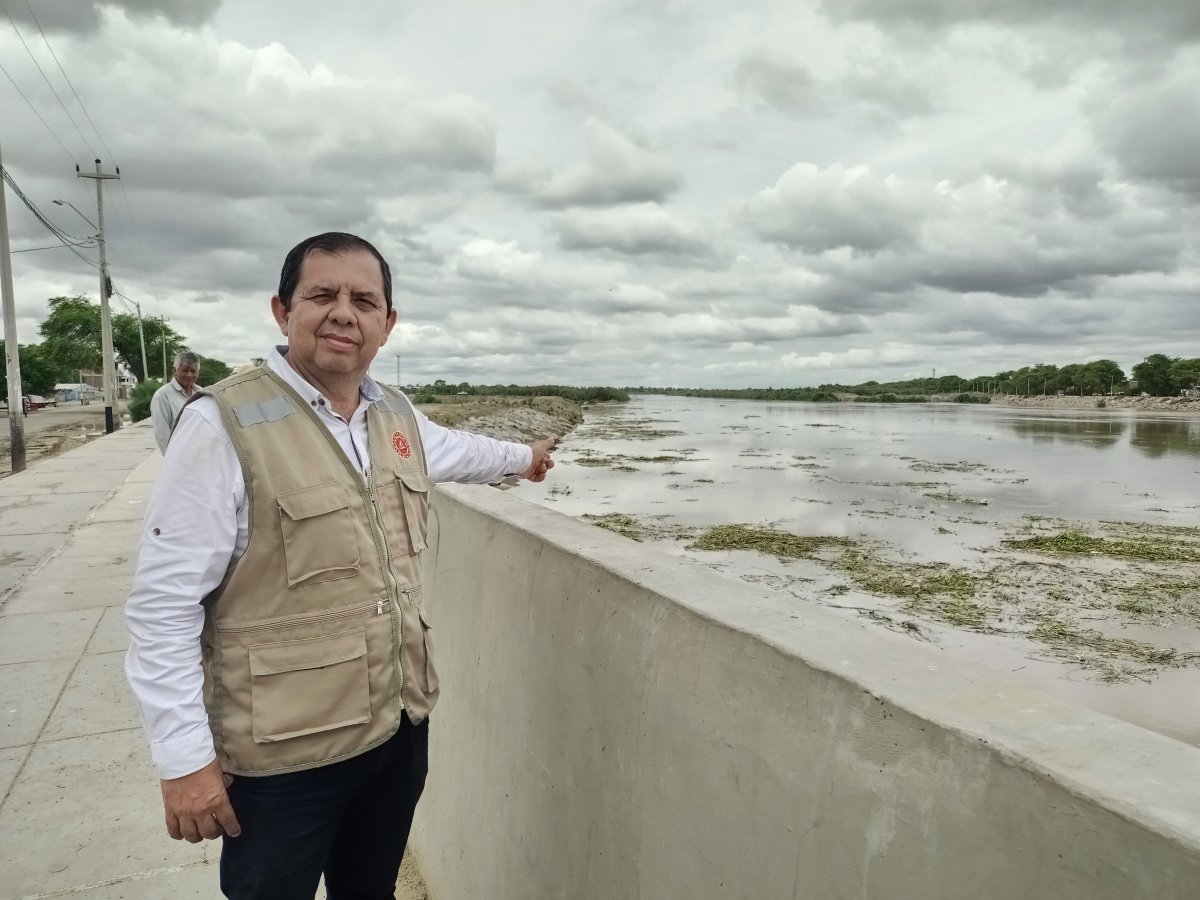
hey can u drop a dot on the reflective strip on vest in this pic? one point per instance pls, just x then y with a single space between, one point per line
264 411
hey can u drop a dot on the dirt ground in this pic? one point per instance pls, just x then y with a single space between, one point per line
51 431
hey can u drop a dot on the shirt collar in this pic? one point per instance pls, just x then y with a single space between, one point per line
368 390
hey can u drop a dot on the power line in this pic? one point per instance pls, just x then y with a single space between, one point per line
125 196
67 240
66 78
46 78
88 243
29 103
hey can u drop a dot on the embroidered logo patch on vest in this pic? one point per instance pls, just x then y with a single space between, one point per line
400 444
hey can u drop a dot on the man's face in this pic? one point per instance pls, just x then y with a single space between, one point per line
338 317
186 374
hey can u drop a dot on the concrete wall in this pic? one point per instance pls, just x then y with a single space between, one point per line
615 723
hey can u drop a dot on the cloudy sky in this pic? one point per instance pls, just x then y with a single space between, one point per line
768 192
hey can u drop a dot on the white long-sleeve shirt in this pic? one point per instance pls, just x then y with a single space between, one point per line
197 520
165 406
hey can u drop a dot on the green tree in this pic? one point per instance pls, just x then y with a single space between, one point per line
212 371
39 371
1101 376
1153 375
140 397
1185 373
72 337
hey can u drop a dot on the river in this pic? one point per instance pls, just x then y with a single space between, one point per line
909 513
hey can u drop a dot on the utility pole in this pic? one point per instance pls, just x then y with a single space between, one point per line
162 324
397 371
12 355
142 337
111 422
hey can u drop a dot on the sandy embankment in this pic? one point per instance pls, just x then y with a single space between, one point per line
519 419
1149 404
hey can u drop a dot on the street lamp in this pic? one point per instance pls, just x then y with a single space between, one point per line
81 215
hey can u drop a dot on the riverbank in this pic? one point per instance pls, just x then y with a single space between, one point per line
1148 404
519 419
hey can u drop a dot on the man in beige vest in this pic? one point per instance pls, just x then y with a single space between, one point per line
280 649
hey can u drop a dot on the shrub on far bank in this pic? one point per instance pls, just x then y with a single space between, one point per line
972 398
139 399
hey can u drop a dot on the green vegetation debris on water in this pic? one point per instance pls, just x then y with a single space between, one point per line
782 544
1075 541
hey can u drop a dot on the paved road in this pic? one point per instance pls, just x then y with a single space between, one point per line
56 417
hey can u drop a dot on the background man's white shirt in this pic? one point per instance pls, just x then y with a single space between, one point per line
165 406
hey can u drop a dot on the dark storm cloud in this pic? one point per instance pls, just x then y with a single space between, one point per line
85 16
786 87
1176 21
1027 229
881 92
642 230
1077 185
1154 133
617 169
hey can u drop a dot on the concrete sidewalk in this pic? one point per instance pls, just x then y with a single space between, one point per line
80 811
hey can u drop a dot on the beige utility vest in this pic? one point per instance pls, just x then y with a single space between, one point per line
317 637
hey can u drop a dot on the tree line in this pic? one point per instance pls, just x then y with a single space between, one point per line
71 344
1158 375
430 393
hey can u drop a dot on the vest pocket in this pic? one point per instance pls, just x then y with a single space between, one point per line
319 542
431 677
414 497
309 685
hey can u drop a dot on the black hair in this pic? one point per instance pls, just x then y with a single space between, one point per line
337 243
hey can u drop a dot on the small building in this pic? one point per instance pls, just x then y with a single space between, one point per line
77 393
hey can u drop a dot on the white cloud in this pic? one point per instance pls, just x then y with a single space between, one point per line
815 210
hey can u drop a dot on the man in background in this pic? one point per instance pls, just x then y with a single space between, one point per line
168 401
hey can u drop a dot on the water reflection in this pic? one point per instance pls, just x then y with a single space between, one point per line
1152 436
1098 433
1159 437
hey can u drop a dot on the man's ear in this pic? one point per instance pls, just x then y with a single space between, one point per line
391 323
281 313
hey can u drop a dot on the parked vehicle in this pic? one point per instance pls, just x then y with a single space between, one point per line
26 404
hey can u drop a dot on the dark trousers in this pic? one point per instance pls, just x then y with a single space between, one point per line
348 820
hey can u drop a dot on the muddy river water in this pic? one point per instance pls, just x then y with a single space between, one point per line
1060 546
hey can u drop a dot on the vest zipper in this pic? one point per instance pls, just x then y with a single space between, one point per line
389 582
323 617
